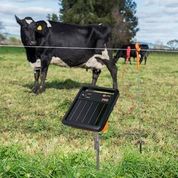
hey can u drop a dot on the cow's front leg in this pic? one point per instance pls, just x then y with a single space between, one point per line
37 69
43 74
36 83
96 73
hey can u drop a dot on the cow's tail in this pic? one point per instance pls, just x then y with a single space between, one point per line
115 56
112 55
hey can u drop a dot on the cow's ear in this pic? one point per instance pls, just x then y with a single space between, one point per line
19 21
41 29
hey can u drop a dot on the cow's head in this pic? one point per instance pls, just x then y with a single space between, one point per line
28 27
32 31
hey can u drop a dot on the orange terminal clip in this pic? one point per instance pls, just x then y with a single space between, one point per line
106 127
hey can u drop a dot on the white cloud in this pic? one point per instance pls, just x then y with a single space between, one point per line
37 9
150 2
157 20
10 9
171 11
167 1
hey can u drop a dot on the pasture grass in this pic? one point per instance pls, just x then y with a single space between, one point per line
34 143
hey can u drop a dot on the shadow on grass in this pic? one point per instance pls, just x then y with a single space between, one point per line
67 84
174 72
56 84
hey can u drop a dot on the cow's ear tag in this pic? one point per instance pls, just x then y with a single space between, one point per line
39 28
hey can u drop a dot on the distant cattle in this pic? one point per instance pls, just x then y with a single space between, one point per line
122 52
80 41
144 52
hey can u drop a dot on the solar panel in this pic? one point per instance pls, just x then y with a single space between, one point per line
91 108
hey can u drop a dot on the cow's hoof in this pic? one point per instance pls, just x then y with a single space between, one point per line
41 89
35 90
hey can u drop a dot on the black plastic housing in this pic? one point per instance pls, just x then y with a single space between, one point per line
91 108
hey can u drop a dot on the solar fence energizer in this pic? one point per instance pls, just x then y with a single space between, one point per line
90 110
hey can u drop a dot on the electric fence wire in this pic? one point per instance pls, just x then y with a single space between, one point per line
86 48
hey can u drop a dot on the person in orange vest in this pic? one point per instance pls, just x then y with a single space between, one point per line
138 49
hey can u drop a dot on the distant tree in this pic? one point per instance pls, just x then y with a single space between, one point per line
48 17
14 40
2 37
53 17
120 14
125 21
158 45
86 11
1 26
173 44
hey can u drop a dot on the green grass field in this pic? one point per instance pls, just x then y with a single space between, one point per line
34 143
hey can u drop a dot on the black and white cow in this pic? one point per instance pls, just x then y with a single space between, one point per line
144 52
80 40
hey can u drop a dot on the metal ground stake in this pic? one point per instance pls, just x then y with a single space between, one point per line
97 148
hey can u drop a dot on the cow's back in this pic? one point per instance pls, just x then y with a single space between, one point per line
75 44
78 36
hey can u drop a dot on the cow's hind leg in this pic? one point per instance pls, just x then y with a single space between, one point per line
145 59
96 73
130 61
113 71
141 59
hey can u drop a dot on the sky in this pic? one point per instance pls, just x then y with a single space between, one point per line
158 19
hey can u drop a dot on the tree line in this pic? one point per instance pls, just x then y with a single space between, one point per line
7 40
120 14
